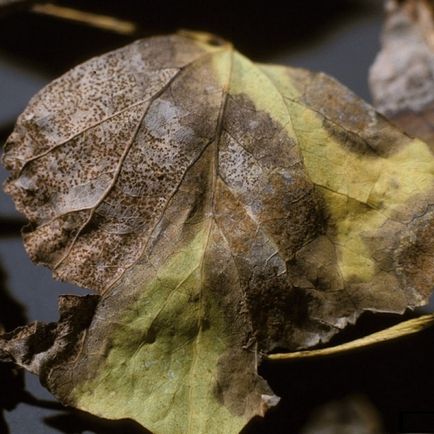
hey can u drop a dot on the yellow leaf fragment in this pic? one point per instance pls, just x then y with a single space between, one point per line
405 328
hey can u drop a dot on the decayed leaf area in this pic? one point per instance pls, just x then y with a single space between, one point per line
402 76
222 210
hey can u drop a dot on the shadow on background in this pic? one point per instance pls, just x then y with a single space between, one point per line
10 227
396 377
73 422
257 28
12 314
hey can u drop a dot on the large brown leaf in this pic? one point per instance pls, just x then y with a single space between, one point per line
222 210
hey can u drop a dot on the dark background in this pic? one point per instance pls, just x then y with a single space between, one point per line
338 37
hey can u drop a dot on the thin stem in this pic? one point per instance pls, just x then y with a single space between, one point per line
104 22
404 328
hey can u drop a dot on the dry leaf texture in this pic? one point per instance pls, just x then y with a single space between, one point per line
402 76
221 209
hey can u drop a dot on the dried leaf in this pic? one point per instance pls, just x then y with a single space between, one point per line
351 415
402 76
222 210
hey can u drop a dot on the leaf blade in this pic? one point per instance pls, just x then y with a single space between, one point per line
224 225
